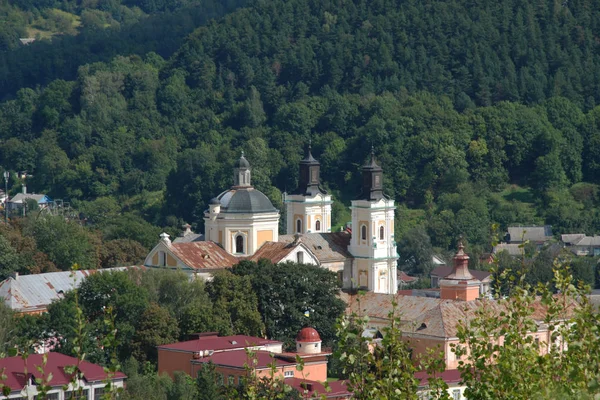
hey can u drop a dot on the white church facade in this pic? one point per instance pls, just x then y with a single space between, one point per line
242 224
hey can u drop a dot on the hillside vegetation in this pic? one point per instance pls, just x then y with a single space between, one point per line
460 99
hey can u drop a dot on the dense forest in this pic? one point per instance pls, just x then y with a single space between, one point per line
480 113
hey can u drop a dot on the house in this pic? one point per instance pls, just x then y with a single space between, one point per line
430 322
197 258
26 41
456 388
235 357
21 375
32 294
534 234
404 279
484 277
17 202
513 249
581 244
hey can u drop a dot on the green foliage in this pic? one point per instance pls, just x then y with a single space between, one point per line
286 291
208 389
155 327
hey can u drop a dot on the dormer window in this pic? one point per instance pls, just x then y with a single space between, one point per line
162 259
300 257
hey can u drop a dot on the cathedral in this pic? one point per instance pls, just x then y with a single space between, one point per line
242 223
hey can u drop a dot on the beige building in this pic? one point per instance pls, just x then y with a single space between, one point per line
242 218
308 209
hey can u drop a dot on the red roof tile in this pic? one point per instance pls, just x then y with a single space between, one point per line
241 359
449 376
313 388
273 251
218 343
444 270
404 277
14 368
203 255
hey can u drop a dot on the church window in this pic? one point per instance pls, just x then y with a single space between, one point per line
381 232
318 226
298 226
239 244
300 257
363 232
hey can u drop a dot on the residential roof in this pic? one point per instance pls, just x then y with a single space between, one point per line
218 343
449 376
402 276
572 238
274 251
240 359
33 293
513 249
314 389
519 234
327 247
203 255
14 367
444 270
20 197
586 241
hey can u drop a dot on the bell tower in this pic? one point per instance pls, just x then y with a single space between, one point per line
372 243
308 208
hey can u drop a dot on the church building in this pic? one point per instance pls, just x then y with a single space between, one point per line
242 223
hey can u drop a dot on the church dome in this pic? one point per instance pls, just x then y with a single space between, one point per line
308 334
245 200
242 162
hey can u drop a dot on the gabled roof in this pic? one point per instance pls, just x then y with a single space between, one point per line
203 255
14 367
402 276
219 343
513 249
274 251
33 293
572 238
582 240
190 237
519 234
314 389
19 197
444 270
450 376
327 247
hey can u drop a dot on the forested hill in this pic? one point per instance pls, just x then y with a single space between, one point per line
480 112
471 51
71 34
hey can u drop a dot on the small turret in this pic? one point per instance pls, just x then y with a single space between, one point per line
241 172
308 341
372 186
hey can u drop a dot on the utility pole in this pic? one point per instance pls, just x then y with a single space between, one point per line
6 176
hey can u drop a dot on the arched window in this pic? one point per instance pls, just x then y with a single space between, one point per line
381 232
318 226
239 244
363 232
298 226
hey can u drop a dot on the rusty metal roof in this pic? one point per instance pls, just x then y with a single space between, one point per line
274 251
203 255
33 293
327 247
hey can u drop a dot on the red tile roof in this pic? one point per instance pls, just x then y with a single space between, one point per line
404 277
273 251
218 343
317 389
241 359
327 247
203 255
14 369
449 376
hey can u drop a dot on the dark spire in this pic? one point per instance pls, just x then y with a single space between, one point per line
310 171
241 172
372 187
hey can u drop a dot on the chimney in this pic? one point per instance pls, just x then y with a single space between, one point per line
24 187
164 237
187 229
